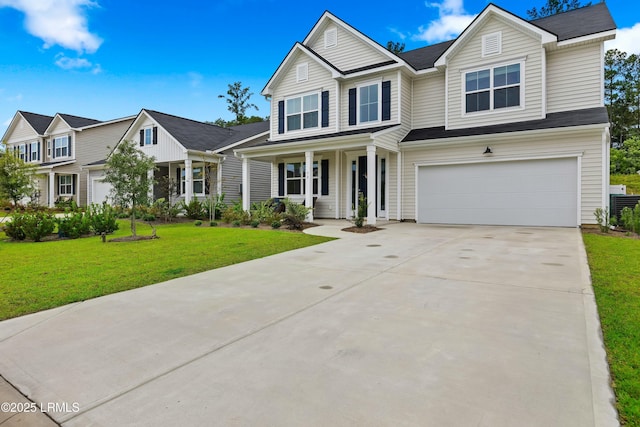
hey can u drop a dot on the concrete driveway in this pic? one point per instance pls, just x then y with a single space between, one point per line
411 326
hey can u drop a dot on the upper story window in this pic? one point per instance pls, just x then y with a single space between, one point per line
369 103
61 146
34 152
148 136
22 152
302 112
492 88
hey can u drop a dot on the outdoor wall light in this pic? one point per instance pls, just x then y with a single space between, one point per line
487 152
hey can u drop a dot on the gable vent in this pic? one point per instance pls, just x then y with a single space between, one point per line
492 44
302 72
330 38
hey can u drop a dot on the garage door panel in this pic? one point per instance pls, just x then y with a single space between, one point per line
530 192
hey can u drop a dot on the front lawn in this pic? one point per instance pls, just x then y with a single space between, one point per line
631 181
38 276
615 271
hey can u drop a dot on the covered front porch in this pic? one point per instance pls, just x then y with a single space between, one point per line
331 175
187 180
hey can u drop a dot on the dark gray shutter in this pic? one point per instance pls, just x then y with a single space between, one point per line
178 178
69 146
28 156
352 107
53 148
39 149
73 184
281 117
386 100
141 137
281 179
325 109
324 172
155 135
57 185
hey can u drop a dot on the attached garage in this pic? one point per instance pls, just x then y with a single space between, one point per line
99 191
540 192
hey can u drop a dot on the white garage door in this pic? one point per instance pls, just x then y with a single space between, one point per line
100 191
530 192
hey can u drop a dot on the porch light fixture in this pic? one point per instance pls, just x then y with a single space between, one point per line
487 152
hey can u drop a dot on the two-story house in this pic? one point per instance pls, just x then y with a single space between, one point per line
194 158
506 124
59 146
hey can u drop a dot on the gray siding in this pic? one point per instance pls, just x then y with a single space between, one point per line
428 101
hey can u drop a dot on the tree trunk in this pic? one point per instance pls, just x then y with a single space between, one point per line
133 220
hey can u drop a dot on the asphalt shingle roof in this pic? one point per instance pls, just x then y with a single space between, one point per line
567 25
329 135
200 136
38 121
78 122
583 117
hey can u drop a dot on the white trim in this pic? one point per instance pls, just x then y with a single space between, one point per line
602 83
302 72
370 83
302 129
543 76
605 170
446 99
337 99
603 36
399 107
579 191
399 186
501 159
337 165
235 144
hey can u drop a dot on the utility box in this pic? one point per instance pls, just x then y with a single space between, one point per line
618 189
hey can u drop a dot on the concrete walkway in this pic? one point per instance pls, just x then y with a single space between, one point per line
413 325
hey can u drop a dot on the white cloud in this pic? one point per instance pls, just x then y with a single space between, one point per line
452 20
58 22
67 63
626 40
400 34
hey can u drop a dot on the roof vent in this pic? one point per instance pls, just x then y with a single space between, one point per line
330 38
492 44
302 72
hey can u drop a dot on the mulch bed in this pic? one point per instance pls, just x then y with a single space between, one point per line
617 232
363 229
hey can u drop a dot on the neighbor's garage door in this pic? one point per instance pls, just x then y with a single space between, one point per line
530 192
100 191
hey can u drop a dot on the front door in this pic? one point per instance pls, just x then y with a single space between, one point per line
359 180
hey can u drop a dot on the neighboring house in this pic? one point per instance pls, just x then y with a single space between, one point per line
192 158
59 145
506 124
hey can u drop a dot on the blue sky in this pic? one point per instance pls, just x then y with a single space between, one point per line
105 59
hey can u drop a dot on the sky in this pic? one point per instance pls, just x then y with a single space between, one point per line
106 59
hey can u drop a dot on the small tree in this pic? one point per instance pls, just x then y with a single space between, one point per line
237 99
128 173
16 176
395 47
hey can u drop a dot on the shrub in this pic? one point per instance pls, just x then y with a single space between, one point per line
194 209
236 223
149 217
362 211
14 229
33 226
219 206
255 223
276 224
102 218
198 223
294 214
213 224
630 219
264 212
163 209
73 225
236 213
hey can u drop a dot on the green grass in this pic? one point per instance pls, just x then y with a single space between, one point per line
38 276
615 271
631 181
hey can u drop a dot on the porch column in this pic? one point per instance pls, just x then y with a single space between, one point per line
337 165
52 189
188 181
219 178
399 186
246 184
308 194
371 184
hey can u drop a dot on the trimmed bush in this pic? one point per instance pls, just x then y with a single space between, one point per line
102 218
194 209
255 223
73 225
276 224
213 224
294 214
198 223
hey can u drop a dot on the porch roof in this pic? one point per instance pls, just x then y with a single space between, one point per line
589 116
328 135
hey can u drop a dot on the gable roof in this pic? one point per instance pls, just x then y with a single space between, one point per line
589 116
76 121
200 136
38 122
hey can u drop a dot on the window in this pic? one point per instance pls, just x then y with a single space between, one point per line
369 103
197 180
295 177
34 154
493 88
65 185
148 136
22 152
49 148
302 112
61 146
